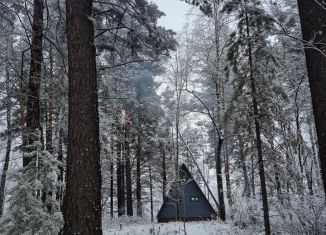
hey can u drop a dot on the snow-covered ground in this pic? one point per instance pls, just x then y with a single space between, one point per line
192 228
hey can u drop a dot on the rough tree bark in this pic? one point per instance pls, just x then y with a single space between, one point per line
82 199
313 24
33 98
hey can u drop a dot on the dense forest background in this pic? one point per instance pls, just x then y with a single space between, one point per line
229 96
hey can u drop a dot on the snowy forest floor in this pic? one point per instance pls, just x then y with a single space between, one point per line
192 228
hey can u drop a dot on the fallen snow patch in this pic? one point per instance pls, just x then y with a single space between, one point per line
192 228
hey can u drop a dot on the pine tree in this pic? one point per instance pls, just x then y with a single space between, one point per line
248 51
27 212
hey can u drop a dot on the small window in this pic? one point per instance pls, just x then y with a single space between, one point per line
194 199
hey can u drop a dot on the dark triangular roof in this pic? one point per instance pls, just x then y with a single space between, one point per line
187 178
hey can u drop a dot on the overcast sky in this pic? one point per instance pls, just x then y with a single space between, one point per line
175 12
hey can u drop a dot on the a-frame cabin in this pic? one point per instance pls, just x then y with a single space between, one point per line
186 198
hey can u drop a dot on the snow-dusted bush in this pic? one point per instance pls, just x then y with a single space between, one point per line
247 213
27 212
302 215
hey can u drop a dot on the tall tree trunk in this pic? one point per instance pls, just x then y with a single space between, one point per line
33 98
111 189
120 171
49 126
8 147
221 204
277 179
112 174
313 24
49 122
123 186
128 167
252 180
288 183
219 141
227 169
21 102
82 200
177 122
163 172
138 174
299 143
208 182
60 175
258 134
151 192
244 167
